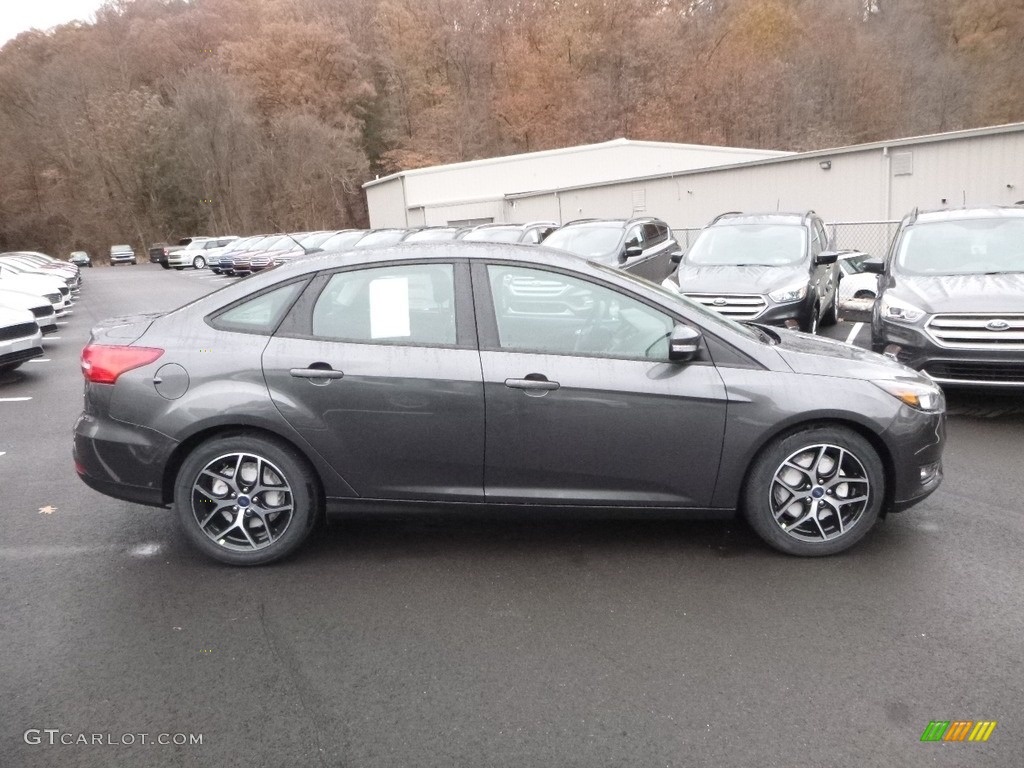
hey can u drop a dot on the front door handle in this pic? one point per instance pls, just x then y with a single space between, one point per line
539 383
316 373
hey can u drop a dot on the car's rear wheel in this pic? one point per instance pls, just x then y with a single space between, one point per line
815 492
245 499
199 263
179 268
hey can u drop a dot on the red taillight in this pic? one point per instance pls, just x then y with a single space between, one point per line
102 364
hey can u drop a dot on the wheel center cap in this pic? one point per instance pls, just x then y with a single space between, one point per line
817 492
243 501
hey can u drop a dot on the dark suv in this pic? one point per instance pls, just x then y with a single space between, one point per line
643 247
951 296
767 267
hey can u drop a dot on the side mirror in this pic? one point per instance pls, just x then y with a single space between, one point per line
632 250
874 266
826 257
684 343
676 257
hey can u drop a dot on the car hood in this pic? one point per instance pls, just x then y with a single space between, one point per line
123 329
48 283
734 279
819 356
960 293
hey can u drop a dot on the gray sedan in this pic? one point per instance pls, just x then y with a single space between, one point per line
487 374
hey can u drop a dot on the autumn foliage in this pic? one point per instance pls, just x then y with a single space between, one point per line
169 117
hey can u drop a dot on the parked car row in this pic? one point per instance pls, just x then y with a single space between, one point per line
964 326
35 290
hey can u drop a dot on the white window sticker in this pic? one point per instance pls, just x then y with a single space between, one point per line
389 308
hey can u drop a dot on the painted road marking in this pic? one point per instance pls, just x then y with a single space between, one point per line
61 322
39 360
14 399
854 332
52 338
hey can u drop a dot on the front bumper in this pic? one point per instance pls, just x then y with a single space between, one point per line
16 351
950 367
916 441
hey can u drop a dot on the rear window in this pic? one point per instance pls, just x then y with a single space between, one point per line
260 314
585 241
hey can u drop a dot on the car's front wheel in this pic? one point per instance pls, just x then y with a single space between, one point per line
199 263
246 499
817 491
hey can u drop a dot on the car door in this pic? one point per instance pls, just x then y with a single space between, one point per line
583 406
377 369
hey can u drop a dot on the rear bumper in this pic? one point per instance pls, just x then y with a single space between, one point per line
119 460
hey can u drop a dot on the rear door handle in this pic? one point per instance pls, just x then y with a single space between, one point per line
532 384
316 373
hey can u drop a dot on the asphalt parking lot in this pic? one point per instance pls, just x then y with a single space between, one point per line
446 640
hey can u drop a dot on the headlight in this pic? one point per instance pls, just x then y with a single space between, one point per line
790 293
924 397
899 311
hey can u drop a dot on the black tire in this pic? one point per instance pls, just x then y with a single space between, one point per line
780 520
236 533
8 367
831 317
198 263
810 325
165 265
179 268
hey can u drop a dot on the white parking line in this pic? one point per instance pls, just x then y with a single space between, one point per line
39 360
854 332
52 338
3 453
14 399
62 322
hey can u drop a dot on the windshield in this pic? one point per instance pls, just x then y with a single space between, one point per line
854 265
341 240
427 235
495 235
767 245
966 247
586 241
384 237
314 240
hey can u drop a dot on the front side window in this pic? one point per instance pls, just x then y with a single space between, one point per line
408 304
552 313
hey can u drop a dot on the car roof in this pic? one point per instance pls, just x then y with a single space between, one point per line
776 217
961 214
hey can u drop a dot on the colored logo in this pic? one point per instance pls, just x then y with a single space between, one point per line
958 730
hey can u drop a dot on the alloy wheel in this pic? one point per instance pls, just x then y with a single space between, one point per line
819 493
242 502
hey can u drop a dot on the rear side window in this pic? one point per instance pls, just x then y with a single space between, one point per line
260 314
410 304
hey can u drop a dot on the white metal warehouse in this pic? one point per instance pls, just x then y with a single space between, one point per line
479 191
687 185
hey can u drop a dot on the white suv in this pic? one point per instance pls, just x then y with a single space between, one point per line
196 253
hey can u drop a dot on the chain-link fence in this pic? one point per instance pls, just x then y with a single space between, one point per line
872 237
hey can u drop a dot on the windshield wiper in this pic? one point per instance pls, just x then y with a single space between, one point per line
1005 272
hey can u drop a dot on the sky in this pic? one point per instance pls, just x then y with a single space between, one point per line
20 15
